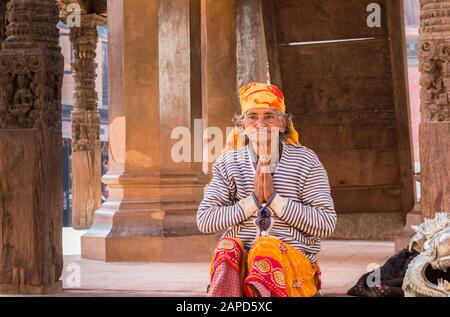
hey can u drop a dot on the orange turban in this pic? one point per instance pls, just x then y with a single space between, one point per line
256 96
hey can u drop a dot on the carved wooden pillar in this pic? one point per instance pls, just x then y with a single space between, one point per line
434 129
31 189
2 20
86 155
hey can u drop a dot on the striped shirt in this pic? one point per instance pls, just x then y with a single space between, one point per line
302 210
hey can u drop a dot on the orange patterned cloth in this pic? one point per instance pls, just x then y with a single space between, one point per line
256 96
277 266
282 269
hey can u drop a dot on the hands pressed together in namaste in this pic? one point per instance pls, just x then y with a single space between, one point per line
263 185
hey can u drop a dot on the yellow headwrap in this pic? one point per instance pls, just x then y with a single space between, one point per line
255 96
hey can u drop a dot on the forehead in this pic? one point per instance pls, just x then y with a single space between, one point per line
261 111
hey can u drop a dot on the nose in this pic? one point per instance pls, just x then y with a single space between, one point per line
261 123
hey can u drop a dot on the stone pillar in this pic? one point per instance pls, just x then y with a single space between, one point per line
180 105
220 97
86 155
434 129
150 214
31 188
252 63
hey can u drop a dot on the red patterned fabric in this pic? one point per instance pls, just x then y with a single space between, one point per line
260 290
268 272
226 282
229 250
226 269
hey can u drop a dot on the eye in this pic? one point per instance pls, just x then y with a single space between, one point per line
269 116
252 116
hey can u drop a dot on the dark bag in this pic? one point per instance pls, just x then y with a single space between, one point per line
391 278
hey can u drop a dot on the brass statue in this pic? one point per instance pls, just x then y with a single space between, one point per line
428 275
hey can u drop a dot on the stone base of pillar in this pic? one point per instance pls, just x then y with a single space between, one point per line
149 218
196 248
9 289
368 226
413 218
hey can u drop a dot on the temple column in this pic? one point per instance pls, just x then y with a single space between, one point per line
434 129
252 63
31 188
154 89
220 97
180 107
86 155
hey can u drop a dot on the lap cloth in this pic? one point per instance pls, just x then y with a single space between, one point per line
270 268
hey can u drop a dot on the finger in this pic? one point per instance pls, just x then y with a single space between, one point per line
261 171
258 168
266 181
257 179
263 185
267 176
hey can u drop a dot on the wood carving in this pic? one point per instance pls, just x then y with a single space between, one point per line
31 67
434 56
85 117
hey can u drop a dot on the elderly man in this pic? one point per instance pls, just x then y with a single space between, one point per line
272 197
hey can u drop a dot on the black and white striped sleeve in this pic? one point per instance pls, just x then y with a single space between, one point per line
315 214
217 210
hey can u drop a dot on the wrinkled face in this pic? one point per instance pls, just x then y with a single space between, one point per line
262 125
